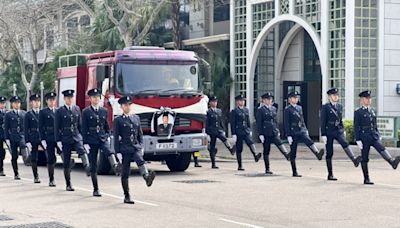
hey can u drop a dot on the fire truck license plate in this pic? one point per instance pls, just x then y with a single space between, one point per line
166 145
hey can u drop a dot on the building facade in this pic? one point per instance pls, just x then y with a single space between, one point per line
309 46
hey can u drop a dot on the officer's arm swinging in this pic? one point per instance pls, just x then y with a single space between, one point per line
26 127
232 120
116 135
85 125
323 120
57 125
356 125
286 122
259 121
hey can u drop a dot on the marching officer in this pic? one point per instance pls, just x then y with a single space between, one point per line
367 135
32 134
128 144
267 126
46 126
3 101
215 129
297 131
14 134
67 127
332 128
240 127
96 136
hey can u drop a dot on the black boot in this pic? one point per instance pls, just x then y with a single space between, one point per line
394 162
196 162
319 154
85 162
239 161
212 157
36 179
256 155
115 165
231 148
148 176
125 187
15 169
364 166
67 175
50 168
294 169
25 156
1 168
330 172
285 153
356 160
266 162
96 191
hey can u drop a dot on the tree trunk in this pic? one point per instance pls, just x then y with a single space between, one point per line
175 25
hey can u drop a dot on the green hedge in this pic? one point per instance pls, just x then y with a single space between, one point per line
348 126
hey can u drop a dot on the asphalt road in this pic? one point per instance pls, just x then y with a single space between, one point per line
202 197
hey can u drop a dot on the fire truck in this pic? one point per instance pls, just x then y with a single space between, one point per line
166 90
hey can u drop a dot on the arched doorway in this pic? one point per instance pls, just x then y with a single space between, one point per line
309 84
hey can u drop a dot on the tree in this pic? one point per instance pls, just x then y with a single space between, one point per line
133 19
25 28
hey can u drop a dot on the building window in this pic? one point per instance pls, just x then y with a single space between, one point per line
221 10
240 46
264 75
337 32
310 10
365 47
284 6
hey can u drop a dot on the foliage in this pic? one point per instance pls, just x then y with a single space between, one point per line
349 128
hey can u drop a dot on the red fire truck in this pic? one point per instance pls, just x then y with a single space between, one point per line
165 86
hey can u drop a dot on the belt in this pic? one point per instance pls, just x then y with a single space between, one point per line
97 129
368 127
73 128
33 129
334 123
17 129
132 139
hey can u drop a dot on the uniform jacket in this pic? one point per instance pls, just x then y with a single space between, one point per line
128 135
67 125
95 127
240 121
31 127
331 119
294 120
14 125
266 118
365 127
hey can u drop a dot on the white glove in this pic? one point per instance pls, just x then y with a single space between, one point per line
234 138
251 133
344 134
208 138
109 140
44 144
59 145
290 140
87 148
324 139
360 144
8 143
119 156
142 152
262 139
29 145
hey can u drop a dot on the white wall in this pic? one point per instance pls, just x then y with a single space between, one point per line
391 71
293 63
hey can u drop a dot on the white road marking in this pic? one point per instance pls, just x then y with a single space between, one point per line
105 194
239 223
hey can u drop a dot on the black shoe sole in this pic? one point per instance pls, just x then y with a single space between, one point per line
152 176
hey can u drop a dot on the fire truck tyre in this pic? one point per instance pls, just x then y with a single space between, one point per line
42 159
103 165
179 163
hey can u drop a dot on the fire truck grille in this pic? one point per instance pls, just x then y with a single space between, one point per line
179 122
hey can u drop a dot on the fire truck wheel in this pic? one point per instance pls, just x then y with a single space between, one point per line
179 163
103 166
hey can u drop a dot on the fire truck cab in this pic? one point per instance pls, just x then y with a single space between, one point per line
166 89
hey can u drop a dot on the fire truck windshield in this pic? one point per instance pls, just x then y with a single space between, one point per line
136 78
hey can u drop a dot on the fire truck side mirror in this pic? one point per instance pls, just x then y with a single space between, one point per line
102 72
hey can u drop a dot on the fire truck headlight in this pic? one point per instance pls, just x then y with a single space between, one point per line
197 142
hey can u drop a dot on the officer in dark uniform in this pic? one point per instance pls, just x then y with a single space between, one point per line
297 131
67 127
332 128
240 127
215 129
46 126
96 136
32 134
14 134
128 144
267 126
3 101
367 135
